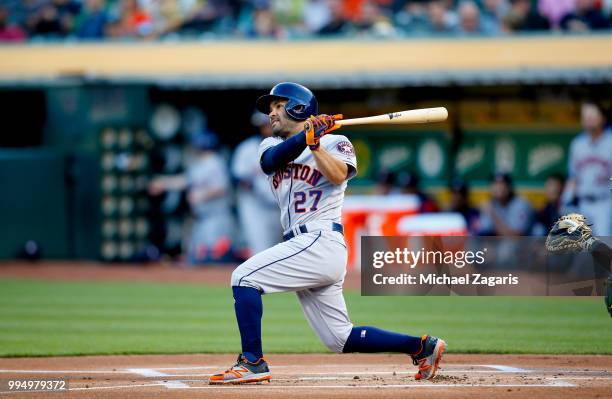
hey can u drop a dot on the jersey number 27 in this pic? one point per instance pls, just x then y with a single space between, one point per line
299 198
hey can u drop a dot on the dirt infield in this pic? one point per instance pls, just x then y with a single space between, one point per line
158 272
323 376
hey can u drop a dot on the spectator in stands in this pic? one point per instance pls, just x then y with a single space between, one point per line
523 17
493 11
131 21
496 8
216 16
373 22
606 8
316 14
554 10
67 10
506 214
10 32
460 203
265 25
168 15
412 18
47 23
338 24
385 183
548 215
91 24
440 19
470 21
409 183
586 17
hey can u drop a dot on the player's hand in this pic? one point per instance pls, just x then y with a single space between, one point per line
318 126
156 186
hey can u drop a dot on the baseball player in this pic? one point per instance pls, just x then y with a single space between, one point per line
308 170
257 207
590 168
207 185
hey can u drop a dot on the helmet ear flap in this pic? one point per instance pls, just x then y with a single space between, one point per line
295 110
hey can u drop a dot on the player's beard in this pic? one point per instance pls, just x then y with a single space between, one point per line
283 128
280 130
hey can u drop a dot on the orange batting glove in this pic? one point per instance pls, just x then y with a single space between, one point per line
318 126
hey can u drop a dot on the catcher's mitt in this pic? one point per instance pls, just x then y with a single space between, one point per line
608 294
569 234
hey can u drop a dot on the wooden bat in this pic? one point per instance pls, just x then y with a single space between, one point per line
423 115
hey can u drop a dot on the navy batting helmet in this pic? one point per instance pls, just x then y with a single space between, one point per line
301 103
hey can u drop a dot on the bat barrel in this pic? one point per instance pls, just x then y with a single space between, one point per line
414 116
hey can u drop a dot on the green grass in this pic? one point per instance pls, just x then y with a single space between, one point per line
68 318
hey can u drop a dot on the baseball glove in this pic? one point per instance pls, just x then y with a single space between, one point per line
608 294
570 233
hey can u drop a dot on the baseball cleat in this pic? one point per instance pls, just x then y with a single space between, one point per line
428 359
243 372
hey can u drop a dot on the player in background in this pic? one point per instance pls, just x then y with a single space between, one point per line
308 170
208 190
590 168
257 208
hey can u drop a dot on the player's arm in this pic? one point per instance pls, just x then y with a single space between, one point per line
277 157
335 170
281 154
167 183
203 194
502 228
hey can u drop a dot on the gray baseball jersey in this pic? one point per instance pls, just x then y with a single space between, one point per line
590 164
257 209
312 264
213 224
302 192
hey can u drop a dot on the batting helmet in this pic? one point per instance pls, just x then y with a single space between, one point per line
301 103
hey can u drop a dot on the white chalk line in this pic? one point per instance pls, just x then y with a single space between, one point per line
173 384
115 387
147 372
394 386
505 369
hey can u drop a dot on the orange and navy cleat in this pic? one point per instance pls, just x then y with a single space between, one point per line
243 372
428 358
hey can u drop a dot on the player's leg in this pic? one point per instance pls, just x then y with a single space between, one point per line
602 256
325 309
602 253
292 265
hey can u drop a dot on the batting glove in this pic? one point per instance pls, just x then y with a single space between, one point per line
318 126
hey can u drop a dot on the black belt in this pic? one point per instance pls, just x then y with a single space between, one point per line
335 227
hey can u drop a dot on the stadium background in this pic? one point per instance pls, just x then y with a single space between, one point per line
59 100
78 148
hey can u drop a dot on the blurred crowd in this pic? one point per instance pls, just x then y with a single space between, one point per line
22 20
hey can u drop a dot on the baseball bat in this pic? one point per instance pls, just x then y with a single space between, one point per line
412 116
